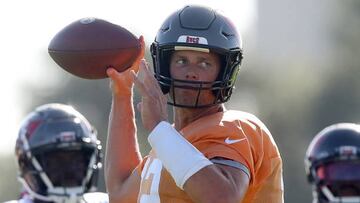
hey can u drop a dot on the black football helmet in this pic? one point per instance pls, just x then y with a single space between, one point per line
58 154
332 164
199 29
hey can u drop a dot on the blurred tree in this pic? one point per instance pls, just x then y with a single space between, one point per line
340 96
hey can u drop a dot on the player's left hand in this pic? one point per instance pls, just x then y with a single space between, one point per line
153 105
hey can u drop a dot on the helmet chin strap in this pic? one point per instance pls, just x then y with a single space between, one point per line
332 199
68 195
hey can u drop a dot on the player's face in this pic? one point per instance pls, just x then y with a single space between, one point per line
342 177
194 66
65 168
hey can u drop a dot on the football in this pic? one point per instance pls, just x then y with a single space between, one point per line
87 47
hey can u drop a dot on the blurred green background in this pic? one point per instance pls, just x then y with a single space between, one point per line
300 74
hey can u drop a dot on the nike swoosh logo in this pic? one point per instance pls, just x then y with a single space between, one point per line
228 141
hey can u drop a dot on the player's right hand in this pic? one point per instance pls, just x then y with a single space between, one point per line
122 83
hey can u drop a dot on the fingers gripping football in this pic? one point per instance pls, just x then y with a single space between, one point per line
121 83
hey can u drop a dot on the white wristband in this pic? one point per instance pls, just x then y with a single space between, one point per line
179 157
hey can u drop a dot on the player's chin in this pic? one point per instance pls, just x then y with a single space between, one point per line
192 85
190 97
185 95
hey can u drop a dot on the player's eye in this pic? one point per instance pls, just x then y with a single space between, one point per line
181 61
205 64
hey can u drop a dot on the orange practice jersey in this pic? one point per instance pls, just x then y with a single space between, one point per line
232 135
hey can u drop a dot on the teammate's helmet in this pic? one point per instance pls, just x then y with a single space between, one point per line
200 29
58 154
332 164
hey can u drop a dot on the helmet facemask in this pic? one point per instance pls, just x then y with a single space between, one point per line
221 88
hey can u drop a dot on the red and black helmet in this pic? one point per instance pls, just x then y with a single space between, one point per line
332 163
58 154
198 28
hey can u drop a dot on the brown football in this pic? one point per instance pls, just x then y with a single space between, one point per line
87 47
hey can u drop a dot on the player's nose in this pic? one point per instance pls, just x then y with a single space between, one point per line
191 75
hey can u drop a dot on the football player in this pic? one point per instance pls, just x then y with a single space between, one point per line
209 154
58 156
332 164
